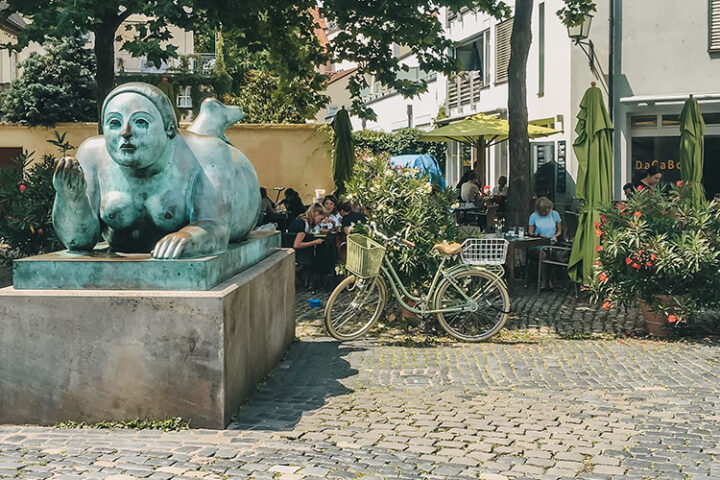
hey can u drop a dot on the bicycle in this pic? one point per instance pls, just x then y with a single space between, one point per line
469 300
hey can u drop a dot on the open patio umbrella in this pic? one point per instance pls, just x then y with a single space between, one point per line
480 131
594 180
692 148
344 153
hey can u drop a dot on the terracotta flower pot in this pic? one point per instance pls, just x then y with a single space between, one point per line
407 313
656 323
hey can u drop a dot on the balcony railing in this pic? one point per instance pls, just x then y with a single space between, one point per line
464 89
198 63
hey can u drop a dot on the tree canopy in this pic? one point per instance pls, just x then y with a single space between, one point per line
56 86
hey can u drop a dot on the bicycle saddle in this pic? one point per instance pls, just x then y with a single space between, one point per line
448 248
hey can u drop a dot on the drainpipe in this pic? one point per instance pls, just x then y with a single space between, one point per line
611 65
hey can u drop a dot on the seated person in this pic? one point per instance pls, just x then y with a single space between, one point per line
293 204
469 192
501 190
333 219
545 222
302 227
652 177
350 217
266 205
628 189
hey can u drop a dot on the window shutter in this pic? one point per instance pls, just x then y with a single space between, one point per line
714 26
502 49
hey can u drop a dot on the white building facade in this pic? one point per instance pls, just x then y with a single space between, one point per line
558 74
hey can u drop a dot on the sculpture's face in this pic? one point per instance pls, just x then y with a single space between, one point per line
135 136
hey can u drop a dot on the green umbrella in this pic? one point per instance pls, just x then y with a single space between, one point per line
343 153
692 148
594 180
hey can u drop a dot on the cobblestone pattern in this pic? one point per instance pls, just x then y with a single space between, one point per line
531 409
557 410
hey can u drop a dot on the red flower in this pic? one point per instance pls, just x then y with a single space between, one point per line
598 248
639 253
652 257
606 305
672 318
637 214
636 265
603 277
40 231
620 205
596 263
602 218
597 224
22 188
640 188
679 183
598 232
628 261
648 264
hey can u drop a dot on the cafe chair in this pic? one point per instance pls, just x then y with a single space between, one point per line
558 255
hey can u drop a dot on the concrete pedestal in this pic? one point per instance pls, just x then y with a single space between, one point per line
92 355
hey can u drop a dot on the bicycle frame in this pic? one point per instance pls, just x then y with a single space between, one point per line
391 277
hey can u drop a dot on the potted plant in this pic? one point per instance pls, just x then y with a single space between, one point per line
660 250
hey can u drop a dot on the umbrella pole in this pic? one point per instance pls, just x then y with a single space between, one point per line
480 169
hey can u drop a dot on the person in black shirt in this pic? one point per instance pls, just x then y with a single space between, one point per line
350 217
293 203
652 177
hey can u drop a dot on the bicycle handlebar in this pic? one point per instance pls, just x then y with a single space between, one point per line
397 239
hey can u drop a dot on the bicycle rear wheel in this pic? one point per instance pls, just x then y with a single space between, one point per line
354 306
476 324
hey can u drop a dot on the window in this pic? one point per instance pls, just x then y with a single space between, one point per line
474 56
184 97
643 121
502 50
714 26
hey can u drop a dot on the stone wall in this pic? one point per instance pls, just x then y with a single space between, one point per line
296 156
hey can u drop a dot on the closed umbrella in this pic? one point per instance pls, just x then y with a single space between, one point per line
692 148
343 154
594 180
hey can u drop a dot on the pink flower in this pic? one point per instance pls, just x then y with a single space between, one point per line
637 214
598 248
672 318
603 277
22 188
640 188
606 305
40 231
679 183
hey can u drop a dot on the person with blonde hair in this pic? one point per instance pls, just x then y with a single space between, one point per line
544 221
303 226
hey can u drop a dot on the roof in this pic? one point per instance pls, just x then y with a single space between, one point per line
13 23
335 76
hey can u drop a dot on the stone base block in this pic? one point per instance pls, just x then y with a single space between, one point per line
105 270
117 355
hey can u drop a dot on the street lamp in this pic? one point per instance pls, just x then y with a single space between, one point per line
581 32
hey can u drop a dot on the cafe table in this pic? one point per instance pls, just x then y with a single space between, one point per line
517 246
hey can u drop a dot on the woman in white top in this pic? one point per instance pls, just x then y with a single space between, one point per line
333 219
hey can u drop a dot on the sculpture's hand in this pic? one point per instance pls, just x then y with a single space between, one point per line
69 179
171 245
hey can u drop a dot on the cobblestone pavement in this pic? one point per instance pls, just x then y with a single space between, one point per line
546 401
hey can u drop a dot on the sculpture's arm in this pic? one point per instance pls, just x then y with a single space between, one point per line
76 223
208 231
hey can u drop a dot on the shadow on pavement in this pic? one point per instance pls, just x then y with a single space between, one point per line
309 374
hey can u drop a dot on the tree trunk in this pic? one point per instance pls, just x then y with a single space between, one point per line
105 74
519 142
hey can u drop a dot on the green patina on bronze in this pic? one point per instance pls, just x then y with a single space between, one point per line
104 270
146 187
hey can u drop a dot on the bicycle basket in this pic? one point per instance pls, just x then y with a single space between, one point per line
364 256
484 251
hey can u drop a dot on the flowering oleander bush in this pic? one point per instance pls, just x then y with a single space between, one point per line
662 250
26 201
400 199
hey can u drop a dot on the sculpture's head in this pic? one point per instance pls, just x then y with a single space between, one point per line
138 123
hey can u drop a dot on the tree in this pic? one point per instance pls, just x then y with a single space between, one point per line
56 86
518 142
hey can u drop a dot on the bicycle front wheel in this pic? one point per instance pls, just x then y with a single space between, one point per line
354 306
479 316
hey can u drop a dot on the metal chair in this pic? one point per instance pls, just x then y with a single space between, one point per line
549 255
